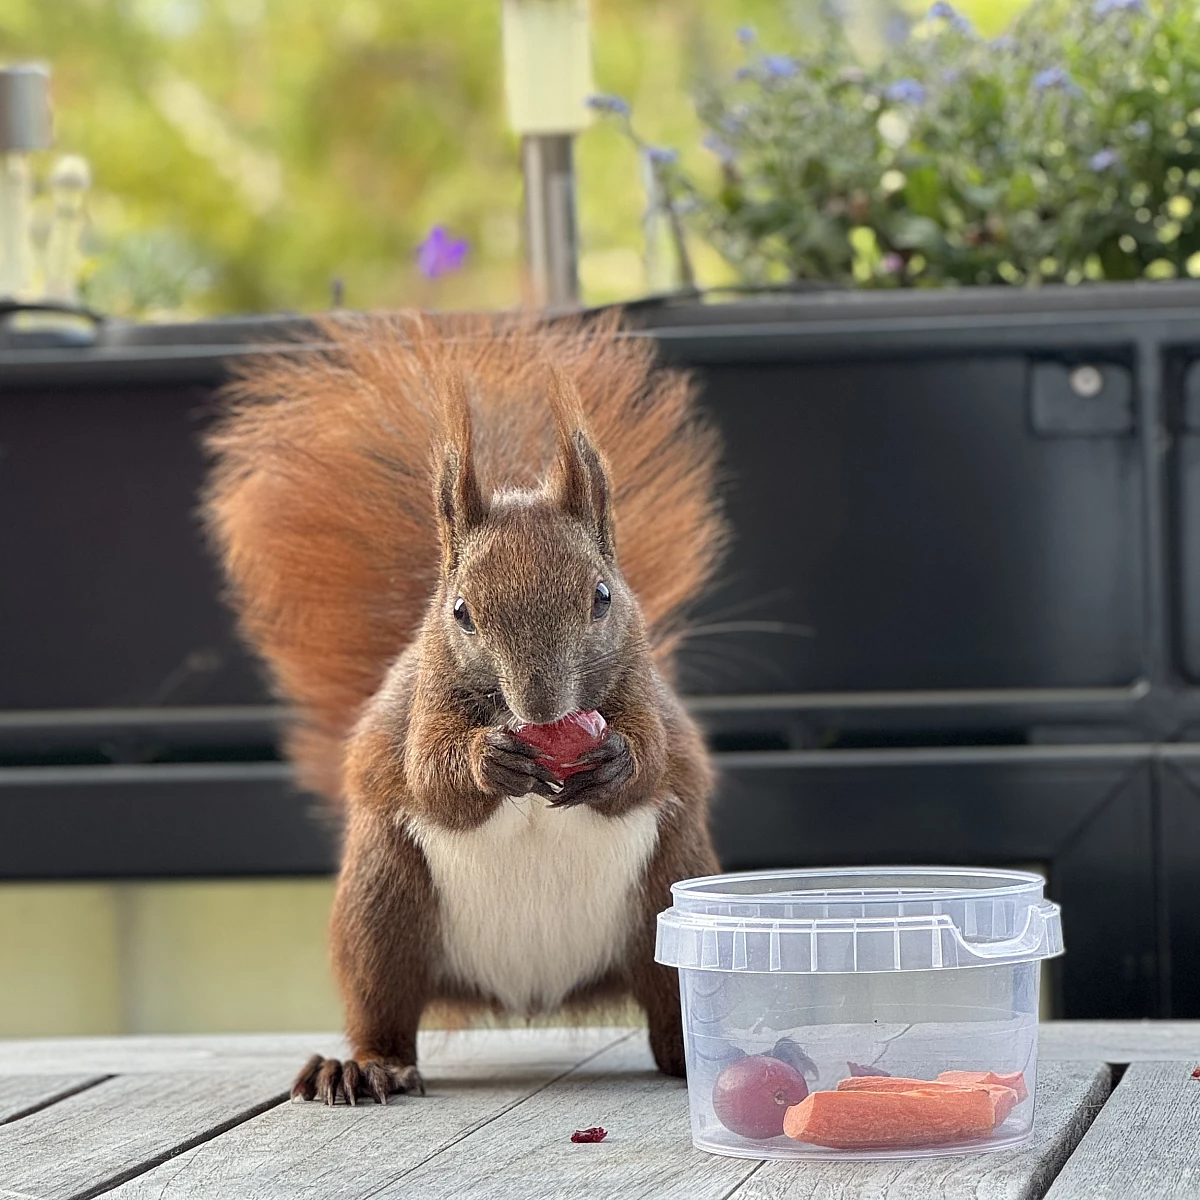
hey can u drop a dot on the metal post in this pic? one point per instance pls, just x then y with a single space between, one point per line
24 127
551 246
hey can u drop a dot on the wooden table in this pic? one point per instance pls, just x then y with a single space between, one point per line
207 1117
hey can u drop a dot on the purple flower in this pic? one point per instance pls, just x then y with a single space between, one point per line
906 91
1103 159
1055 77
1102 8
746 35
613 105
439 253
1004 42
743 73
662 157
780 66
721 148
892 263
941 11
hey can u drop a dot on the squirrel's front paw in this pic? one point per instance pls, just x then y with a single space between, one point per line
330 1080
506 766
610 768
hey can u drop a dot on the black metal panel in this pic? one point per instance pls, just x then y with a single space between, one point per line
151 821
1180 848
906 513
109 598
1186 524
979 555
1085 814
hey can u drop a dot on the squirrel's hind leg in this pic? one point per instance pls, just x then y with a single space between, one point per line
384 933
684 851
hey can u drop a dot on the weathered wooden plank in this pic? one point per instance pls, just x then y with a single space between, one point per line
1143 1143
1068 1097
526 1153
89 1141
224 1052
348 1153
23 1094
1119 1041
161 1053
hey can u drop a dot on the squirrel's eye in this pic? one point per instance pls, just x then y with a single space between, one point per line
462 614
600 601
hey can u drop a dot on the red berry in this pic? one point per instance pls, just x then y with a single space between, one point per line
562 742
752 1096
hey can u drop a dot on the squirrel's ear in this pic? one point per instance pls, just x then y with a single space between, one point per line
460 502
579 481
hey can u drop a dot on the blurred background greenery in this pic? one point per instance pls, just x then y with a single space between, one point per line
252 155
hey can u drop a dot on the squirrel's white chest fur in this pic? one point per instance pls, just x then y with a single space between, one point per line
536 901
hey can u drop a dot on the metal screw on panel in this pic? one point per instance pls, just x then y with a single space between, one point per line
1087 382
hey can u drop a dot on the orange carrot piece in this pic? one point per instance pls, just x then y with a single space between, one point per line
897 1083
864 1120
1004 1099
1014 1080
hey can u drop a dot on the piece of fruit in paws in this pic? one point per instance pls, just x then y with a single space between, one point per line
561 743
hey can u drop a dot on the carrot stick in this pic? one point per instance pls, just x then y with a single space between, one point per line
1014 1080
860 1120
1004 1098
897 1083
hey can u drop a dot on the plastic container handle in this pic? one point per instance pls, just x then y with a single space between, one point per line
1031 937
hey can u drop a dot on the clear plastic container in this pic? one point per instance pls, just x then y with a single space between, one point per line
876 974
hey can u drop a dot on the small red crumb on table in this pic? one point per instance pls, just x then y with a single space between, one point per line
596 1134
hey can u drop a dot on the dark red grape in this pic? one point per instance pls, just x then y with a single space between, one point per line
752 1095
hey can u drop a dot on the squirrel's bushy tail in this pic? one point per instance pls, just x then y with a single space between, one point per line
321 499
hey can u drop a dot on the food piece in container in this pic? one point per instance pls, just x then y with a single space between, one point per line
1013 1079
1004 1099
858 1069
866 1120
752 1094
789 1051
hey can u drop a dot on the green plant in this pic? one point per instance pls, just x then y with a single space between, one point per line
1068 149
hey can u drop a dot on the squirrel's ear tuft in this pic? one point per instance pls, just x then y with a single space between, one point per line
579 482
460 502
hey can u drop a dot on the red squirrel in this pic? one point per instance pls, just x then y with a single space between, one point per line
431 528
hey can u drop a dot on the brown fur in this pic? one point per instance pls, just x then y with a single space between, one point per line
359 490
320 501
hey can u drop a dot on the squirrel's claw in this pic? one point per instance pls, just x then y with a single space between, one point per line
613 769
330 1080
510 767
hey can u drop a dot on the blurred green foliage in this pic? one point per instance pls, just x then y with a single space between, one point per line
248 153
1067 149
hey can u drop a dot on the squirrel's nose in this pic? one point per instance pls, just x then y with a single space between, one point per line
540 701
